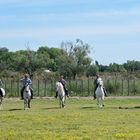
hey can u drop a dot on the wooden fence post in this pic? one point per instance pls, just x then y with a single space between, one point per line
45 91
51 87
88 87
38 88
134 84
18 90
76 87
11 87
128 86
5 87
82 88
115 86
122 86
69 90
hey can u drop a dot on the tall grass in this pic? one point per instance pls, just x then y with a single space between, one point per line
80 120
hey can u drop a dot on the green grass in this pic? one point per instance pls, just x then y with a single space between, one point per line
81 119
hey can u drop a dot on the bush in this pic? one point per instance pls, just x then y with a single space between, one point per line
112 87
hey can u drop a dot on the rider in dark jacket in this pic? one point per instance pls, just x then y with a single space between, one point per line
95 85
63 82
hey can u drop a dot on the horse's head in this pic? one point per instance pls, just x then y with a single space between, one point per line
27 88
58 84
59 87
100 82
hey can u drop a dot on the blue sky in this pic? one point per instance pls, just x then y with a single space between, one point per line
110 27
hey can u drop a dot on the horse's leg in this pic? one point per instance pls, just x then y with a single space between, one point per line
25 102
29 100
103 102
60 102
63 100
97 101
1 106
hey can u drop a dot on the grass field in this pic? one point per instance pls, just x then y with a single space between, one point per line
81 119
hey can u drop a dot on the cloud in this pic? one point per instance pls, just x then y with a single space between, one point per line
38 33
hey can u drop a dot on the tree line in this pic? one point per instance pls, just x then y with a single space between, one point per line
71 59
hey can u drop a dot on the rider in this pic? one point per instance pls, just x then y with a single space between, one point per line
63 82
26 80
96 85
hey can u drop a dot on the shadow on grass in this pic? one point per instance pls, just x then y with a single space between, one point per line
109 107
50 108
89 107
135 107
15 109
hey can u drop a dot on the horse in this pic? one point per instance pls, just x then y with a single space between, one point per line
61 94
100 93
27 96
2 94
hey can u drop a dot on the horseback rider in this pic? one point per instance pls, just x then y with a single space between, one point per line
96 81
63 82
26 80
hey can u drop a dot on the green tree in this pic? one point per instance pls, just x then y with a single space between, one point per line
77 56
132 66
92 70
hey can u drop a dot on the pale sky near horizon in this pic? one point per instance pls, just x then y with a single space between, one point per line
110 27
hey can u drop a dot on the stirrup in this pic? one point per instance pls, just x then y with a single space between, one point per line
55 96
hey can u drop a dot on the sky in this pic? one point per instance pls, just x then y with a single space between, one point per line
110 27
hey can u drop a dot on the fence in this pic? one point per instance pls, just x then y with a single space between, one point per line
76 87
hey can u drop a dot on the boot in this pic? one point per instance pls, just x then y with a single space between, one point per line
94 96
22 93
56 94
22 96
105 92
31 93
66 92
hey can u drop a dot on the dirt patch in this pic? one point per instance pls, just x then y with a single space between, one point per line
77 97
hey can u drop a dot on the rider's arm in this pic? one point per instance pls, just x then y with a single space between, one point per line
21 80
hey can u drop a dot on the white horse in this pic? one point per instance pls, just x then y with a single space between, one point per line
100 93
27 96
2 94
61 94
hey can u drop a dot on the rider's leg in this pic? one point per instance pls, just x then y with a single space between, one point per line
22 92
94 95
56 94
31 93
105 91
66 91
